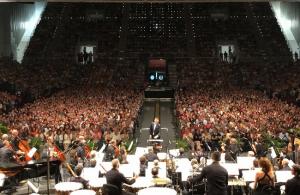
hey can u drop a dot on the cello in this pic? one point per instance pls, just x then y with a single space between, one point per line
23 146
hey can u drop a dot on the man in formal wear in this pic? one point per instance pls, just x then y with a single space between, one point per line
292 186
116 178
6 154
155 129
216 175
110 151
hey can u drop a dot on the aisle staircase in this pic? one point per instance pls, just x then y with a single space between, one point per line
188 25
124 28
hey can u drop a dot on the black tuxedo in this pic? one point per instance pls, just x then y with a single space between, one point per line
292 186
154 131
6 155
116 178
217 179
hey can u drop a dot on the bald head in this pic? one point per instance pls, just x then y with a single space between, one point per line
14 133
285 162
115 163
4 137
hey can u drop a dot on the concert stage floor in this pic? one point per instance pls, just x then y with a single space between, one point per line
23 188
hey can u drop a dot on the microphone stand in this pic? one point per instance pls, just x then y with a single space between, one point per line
48 170
193 181
205 181
208 147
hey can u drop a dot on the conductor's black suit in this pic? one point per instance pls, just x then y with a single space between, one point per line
155 130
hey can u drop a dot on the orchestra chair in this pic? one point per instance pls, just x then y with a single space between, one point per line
37 167
34 189
109 189
2 179
27 169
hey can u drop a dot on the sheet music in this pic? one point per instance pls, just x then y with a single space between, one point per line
2 179
232 168
102 148
184 167
105 165
283 176
174 152
130 146
140 151
90 173
291 163
31 152
245 162
128 170
273 153
249 175
162 155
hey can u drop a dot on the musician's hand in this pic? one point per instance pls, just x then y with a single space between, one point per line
19 152
135 176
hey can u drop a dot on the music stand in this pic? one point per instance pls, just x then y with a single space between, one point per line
283 176
155 143
245 162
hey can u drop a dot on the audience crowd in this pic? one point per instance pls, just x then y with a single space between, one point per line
234 109
86 111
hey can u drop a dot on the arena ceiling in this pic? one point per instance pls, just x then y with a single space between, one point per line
144 1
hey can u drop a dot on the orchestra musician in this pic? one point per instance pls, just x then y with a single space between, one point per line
155 129
143 166
151 156
259 147
231 150
215 139
216 175
14 143
264 178
123 155
111 151
116 178
81 154
77 178
6 153
292 186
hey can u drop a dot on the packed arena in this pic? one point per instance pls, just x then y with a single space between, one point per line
146 98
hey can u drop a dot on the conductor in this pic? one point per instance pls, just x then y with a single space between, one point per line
155 129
